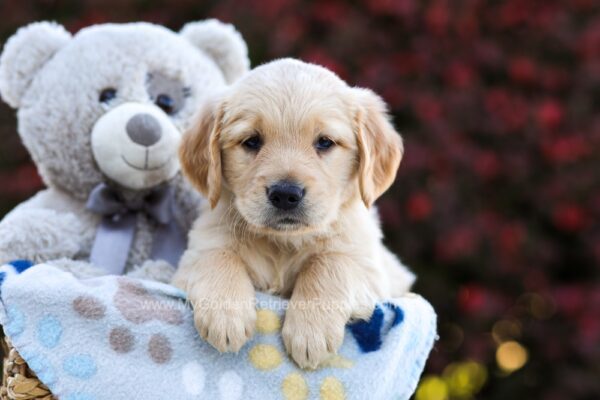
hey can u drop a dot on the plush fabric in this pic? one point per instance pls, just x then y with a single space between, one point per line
79 136
120 338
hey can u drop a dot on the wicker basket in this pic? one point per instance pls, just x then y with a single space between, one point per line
18 381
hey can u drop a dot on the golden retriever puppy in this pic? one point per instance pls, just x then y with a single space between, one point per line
291 160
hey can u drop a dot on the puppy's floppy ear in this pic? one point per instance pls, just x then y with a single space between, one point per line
380 147
200 152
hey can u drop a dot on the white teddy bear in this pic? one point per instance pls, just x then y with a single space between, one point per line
101 113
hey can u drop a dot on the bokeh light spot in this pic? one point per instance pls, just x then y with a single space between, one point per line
465 379
511 356
432 388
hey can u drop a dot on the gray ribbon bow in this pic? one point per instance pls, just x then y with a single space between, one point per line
116 231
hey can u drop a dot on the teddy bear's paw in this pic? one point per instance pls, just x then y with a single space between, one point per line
80 269
312 337
156 270
227 327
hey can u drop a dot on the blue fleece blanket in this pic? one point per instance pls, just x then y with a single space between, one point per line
118 338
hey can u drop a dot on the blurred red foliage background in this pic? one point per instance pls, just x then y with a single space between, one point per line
497 201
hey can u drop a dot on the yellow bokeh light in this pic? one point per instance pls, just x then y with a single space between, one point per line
511 356
464 379
432 388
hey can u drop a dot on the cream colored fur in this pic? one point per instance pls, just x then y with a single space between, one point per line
331 262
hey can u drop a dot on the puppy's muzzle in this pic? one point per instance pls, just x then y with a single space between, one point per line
285 195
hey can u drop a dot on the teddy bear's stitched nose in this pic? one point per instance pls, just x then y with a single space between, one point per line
144 129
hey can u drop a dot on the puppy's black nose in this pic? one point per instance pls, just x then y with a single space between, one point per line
285 195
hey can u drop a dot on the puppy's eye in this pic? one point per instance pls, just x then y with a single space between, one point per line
324 143
107 95
253 143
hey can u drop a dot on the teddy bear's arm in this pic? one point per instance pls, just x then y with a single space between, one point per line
38 235
38 230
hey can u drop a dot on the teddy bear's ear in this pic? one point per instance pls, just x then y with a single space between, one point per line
24 54
223 43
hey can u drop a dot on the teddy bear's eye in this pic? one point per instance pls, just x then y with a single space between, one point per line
107 95
167 93
166 103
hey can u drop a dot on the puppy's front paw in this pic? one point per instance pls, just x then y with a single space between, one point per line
312 337
225 327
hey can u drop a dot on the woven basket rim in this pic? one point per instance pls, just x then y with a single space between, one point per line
19 382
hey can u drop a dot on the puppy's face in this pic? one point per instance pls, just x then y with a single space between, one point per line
292 143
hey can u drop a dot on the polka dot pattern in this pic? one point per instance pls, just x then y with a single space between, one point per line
265 357
80 366
49 331
231 386
192 378
294 387
267 321
89 307
104 339
121 339
134 302
332 389
160 349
